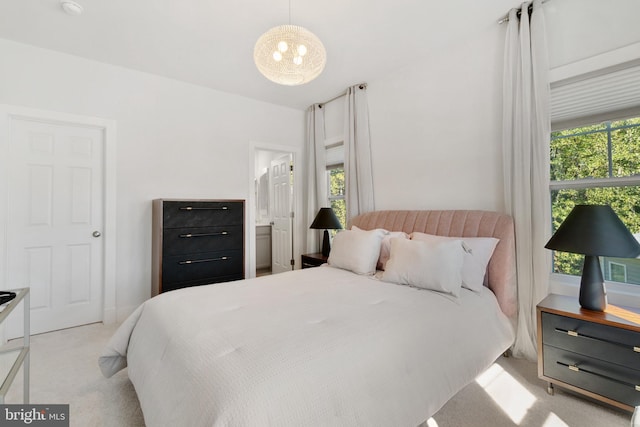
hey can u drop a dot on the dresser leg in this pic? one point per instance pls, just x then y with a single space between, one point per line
550 389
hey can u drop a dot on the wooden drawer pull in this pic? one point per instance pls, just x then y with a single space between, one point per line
638 388
224 258
188 236
573 333
636 349
574 368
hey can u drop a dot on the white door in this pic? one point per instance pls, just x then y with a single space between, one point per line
281 214
55 221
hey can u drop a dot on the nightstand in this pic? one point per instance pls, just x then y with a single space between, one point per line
593 353
313 260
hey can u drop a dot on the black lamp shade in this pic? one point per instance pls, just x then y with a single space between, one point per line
326 219
594 230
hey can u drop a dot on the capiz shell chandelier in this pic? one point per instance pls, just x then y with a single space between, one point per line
290 55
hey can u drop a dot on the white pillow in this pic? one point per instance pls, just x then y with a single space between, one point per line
385 247
478 251
356 250
436 266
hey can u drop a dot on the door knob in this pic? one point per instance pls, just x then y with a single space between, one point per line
96 234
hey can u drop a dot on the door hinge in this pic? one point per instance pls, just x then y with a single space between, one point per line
290 168
292 214
293 262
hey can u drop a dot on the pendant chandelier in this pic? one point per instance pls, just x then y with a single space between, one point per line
289 54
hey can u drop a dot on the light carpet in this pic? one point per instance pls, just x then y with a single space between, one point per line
64 369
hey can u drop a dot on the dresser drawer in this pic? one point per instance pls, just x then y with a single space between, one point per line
178 241
597 376
615 345
185 284
202 213
202 267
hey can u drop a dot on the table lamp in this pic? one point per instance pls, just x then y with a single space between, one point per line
326 219
593 231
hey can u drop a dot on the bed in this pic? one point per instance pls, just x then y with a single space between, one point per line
325 346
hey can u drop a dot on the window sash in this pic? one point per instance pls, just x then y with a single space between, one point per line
579 184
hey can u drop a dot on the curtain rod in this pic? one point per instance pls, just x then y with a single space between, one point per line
506 17
321 104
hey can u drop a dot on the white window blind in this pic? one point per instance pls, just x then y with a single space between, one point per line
595 97
334 152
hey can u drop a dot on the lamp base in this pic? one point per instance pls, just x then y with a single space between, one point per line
592 293
326 246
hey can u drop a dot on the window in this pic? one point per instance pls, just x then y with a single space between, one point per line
597 164
617 272
335 178
335 184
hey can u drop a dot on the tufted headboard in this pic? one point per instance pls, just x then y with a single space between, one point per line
501 271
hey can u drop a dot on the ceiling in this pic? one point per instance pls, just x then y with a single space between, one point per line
210 42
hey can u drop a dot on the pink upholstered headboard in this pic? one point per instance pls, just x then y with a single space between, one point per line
501 271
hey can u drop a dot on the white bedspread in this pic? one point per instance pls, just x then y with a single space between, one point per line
313 347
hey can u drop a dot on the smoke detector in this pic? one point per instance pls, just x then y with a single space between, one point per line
71 7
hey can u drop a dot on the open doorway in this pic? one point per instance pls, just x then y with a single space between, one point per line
271 210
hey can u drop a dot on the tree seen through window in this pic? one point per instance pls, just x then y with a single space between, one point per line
336 193
598 164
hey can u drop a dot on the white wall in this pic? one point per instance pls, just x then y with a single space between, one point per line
436 126
436 129
334 119
581 29
174 140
